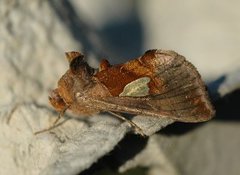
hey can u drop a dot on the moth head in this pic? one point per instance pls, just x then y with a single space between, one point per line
56 100
75 80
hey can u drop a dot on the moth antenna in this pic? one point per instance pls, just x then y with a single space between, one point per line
60 115
134 125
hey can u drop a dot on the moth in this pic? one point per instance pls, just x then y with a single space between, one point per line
160 83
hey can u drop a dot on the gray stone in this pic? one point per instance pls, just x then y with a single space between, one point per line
34 37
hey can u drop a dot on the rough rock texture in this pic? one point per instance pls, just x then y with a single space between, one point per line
209 149
32 60
34 37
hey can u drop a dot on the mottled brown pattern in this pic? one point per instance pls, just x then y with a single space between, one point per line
72 55
104 64
77 81
176 90
115 78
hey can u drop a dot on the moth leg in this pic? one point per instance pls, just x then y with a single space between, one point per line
134 125
60 115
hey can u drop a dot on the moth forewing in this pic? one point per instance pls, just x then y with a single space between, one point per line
174 90
149 107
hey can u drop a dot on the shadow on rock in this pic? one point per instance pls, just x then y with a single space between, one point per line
126 149
227 109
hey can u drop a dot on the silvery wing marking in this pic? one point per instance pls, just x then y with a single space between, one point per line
176 90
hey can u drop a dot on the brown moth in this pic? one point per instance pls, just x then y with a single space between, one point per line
159 84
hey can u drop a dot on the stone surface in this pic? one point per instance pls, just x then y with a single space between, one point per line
209 149
205 32
34 37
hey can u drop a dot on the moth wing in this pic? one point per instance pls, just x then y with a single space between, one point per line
177 110
179 94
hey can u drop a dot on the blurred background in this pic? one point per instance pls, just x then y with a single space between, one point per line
35 34
206 32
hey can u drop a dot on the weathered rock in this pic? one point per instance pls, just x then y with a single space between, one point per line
34 37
